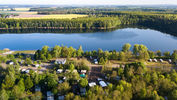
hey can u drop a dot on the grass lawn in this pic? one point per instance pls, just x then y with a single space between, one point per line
84 60
156 64
2 51
26 52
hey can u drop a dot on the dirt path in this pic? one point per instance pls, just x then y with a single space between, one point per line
94 73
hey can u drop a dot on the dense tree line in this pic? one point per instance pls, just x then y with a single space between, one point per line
139 52
139 83
99 20
79 23
135 82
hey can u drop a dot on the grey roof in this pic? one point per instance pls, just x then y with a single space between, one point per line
103 84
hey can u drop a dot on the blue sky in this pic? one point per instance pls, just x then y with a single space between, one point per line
90 2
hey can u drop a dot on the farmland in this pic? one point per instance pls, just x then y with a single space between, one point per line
24 13
58 16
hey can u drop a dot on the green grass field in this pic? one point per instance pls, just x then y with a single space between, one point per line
26 52
2 51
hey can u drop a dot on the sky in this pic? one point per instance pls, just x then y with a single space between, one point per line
90 2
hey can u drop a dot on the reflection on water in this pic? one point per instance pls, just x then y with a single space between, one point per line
111 40
121 34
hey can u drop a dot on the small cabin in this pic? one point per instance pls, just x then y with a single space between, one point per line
10 62
91 57
83 71
50 95
64 78
50 98
117 78
92 84
27 71
99 79
60 61
155 60
23 70
95 61
61 97
161 60
60 81
102 84
74 71
82 91
150 60
37 89
37 65
59 71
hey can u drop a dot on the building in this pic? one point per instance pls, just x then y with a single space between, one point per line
150 60
60 61
117 78
99 79
102 84
50 98
60 81
27 71
161 60
82 91
37 89
50 95
61 97
23 70
91 57
155 60
83 71
95 61
92 84
10 62
59 71
74 71
37 65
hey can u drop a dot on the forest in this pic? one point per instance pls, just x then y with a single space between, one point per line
99 20
136 82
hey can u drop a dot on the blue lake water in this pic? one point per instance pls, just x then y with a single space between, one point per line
114 40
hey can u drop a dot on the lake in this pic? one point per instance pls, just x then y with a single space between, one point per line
113 40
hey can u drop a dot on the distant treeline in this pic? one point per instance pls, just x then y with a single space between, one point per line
79 23
91 10
105 20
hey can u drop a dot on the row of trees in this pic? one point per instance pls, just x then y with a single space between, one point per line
99 20
143 83
138 52
79 23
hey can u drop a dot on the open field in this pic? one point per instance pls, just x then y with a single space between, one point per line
22 9
61 16
18 12
155 64
25 52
